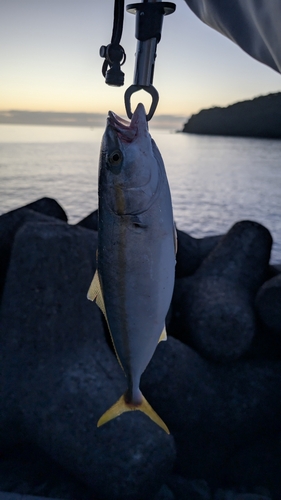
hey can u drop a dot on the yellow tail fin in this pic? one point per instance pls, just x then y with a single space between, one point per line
121 406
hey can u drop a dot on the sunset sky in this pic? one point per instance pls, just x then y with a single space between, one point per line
49 52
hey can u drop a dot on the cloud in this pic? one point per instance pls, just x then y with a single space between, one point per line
17 117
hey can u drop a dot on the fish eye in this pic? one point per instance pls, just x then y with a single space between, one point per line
115 158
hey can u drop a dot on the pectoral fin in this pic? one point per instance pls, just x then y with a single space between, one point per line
163 335
95 293
121 407
175 239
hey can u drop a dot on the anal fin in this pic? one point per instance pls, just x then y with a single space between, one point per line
95 293
163 335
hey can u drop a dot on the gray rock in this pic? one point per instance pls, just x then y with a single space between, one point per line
265 345
58 375
15 496
178 485
224 495
251 496
26 469
192 251
231 495
164 494
198 490
257 466
211 409
47 206
268 304
176 325
273 270
216 303
260 490
191 490
90 222
277 268
10 224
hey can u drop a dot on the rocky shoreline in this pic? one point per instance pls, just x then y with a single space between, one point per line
259 117
216 382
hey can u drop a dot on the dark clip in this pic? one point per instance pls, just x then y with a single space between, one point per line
135 88
114 53
114 58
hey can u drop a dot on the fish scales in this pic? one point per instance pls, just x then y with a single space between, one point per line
136 250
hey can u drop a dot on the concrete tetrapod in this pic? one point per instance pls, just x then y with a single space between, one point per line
212 409
58 375
268 304
192 251
216 304
43 210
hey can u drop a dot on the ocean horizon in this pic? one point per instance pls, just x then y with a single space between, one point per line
215 181
88 120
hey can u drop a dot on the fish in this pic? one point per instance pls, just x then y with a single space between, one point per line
135 271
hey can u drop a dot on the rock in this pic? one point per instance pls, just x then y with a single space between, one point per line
257 466
215 305
191 490
164 494
265 346
176 318
198 490
10 224
28 470
47 206
15 496
259 117
58 375
211 409
224 495
259 490
273 270
251 496
192 251
231 495
268 304
190 254
90 222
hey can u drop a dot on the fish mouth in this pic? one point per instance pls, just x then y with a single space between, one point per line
128 130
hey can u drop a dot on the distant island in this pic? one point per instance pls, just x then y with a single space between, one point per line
259 117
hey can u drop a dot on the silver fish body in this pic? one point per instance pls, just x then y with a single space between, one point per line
136 250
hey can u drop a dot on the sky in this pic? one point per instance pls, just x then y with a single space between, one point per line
49 53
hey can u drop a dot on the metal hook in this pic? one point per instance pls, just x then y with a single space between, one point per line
149 20
135 88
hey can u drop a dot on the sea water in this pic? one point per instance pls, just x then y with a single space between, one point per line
215 181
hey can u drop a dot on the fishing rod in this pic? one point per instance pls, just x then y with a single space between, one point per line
149 21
